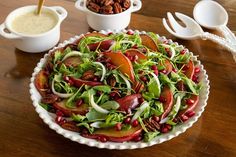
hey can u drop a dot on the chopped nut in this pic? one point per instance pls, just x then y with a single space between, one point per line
88 75
117 8
151 125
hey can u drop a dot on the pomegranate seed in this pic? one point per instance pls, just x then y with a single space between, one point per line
164 130
143 78
195 79
141 100
127 120
118 126
189 101
102 138
156 118
167 49
70 82
110 33
190 113
174 70
196 70
175 120
79 102
135 58
95 79
182 52
162 99
60 120
154 67
168 126
184 118
163 71
127 54
112 94
66 78
135 46
137 138
130 33
59 113
135 123
99 93
144 50
156 72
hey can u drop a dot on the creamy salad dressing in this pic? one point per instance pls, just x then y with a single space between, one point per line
30 23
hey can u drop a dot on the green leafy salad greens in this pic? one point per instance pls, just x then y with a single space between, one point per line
120 87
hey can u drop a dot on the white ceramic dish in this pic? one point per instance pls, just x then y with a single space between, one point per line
33 43
48 118
114 21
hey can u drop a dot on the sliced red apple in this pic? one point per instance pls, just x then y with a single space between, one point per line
82 109
79 82
148 42
191 107
103 46
129 102
116 136
136 52
93 34
189 72
41 82
167 100
122 62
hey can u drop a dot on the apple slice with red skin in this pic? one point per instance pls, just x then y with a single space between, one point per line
189 72
82 109
93 34
136 52
168 99
122 62
79 82
129 102
191 107
41 82
103 45
73 61
148 42
116 136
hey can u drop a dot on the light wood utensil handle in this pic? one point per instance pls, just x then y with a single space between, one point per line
40 4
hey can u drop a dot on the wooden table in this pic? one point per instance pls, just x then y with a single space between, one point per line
22 132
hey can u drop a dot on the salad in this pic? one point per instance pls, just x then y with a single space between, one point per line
120 87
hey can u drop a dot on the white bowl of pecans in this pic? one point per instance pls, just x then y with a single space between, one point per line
108 14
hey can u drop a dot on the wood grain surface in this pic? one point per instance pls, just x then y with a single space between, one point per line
23 133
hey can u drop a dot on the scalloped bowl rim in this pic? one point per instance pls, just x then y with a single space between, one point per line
48 118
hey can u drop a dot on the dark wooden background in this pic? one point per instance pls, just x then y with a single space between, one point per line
22 132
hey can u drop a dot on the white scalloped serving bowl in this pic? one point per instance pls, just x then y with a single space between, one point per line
48 118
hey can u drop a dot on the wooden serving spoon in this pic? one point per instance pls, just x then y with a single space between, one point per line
40 4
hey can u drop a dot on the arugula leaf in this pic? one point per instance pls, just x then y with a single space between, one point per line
191 85
157 108
154 86
77 118
148 96
57 56
47 107
103 88
142 124
148 136
93 115
87 126
110 105
114 118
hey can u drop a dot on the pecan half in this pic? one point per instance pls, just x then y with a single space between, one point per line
94 7
126 3
112 81
107 9
117 8
88 75
106 2
49 98
151 125
70 126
